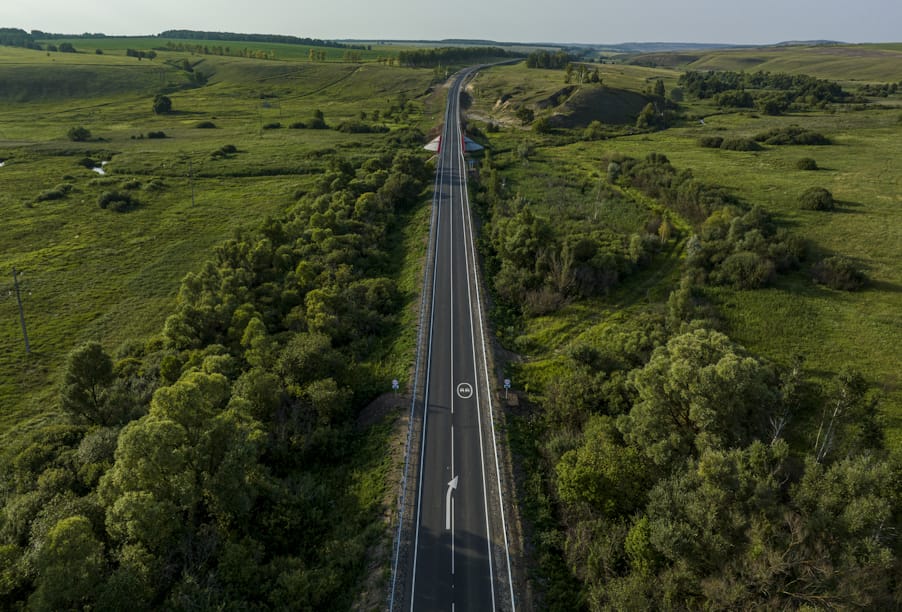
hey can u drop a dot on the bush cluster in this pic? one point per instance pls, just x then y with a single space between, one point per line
57 193
224 151
117 201
816 198
740 144
806 163
359 127
710 142
838 272
792 135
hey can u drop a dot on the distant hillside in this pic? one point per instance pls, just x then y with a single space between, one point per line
827 61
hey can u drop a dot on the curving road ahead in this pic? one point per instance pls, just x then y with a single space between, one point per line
460 558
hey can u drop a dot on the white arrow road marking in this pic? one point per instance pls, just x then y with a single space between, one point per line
451 486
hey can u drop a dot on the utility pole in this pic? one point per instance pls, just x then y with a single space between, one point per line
21 312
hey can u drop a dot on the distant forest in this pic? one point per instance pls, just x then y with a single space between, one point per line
259 38
15 37
430 58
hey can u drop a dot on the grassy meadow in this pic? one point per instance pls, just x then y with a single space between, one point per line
91 273
794 316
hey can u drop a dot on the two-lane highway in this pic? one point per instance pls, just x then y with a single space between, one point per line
460 557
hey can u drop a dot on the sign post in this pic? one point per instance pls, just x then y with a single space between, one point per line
507 385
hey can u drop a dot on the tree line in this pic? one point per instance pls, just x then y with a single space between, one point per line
549 59
771 92
14 37
446 56
218 465
257 38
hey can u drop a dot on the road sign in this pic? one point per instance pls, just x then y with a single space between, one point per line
395 384
507 383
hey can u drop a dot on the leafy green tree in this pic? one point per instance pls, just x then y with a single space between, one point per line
659 90
605 474
308 357
70 567
525 114
698 392
191 457
79 134
162 105
89 372
647 118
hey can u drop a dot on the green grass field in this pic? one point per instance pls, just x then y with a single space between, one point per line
89 273
830 328
878 63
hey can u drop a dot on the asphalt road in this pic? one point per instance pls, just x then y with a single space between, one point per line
460 557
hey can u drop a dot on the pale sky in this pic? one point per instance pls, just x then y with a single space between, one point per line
582 21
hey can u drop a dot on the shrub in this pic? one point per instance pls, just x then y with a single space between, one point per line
131 184
162 105
156 134
593 131
838 272
205 125
746 270
275 125
710 142
816 198
79 134
224 151
57 193
297 125
358 127
87 162
792 135
806 163
317 123
120 202
740 144
542 125
98 51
